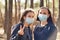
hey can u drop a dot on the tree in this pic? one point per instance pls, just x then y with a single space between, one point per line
5 22
41 3
31 5
53 8
46 3
8 18
15 12
1 18
19 8
58 22
25 4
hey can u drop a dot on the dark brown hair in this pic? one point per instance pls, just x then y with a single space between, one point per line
50 18
25 13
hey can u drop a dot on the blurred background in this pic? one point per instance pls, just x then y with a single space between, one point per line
12 10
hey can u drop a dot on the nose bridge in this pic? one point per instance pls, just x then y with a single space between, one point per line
31 17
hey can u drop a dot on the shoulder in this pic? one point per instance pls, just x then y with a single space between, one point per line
16 26
52 27
37 22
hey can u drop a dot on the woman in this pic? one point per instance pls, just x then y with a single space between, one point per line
22 30
46 29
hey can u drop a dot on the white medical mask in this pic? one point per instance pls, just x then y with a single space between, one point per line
29 20
42 17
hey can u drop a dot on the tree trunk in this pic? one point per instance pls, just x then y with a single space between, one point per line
15 12
53 8
5 22
41 3
1 19
31 5
19 8
9 19
58 22
25 4
46 3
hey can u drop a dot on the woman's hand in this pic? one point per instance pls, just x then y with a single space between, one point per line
21 31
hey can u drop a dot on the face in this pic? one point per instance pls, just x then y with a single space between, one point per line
30 15
44 11
43 14
29 18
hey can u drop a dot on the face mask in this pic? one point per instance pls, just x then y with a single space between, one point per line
42 17
29 20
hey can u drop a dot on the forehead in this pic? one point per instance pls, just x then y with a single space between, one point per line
43 10
30 13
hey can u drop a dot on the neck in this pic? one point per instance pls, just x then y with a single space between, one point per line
43 23
25 24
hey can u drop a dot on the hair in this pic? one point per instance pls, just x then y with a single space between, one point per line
25 13
49 20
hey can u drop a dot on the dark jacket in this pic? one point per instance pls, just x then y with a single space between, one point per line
15 36
45 33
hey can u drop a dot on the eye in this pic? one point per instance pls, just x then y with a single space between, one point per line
44 13
29 16
32 16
